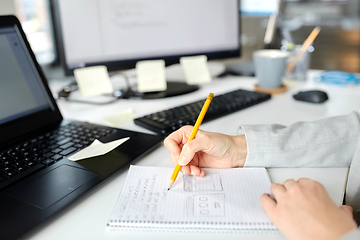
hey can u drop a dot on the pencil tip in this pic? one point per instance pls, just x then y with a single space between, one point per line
168 189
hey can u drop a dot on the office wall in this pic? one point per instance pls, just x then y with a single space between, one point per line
7 7
338 45
336 48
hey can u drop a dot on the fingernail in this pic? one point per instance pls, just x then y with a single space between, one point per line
182 160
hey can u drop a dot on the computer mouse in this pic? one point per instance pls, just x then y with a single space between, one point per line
314 96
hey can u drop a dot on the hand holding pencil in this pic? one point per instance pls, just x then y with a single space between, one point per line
193 134
207 150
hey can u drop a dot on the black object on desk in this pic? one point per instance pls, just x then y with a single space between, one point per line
173 89
314 96
36 178
167 121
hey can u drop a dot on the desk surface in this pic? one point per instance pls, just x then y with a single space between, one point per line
87 218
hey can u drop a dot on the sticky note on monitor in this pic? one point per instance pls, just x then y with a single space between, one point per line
120 118
93 81
151 76
195 69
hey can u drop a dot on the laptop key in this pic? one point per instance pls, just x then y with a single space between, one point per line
20 175
8 168
67 145
53 146
10 173
68 151
78 145
56 150
30 164
21 169
65 140
49 154
57 157
47 161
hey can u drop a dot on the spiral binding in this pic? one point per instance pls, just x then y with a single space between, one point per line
191 226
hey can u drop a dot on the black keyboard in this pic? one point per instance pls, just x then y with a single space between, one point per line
167 121
46 149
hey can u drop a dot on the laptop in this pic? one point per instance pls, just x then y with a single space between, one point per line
36 178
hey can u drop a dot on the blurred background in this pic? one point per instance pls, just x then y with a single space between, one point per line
336 48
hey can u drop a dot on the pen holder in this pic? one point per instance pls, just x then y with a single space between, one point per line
302 65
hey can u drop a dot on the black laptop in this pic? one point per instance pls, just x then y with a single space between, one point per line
36 178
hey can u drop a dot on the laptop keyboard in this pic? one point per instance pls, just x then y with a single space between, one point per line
47 149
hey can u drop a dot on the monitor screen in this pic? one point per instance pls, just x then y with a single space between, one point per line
259 7
22 92
118 33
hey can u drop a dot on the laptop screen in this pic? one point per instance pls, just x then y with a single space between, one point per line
22 92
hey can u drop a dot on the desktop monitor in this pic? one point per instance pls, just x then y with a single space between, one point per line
259 7
118 33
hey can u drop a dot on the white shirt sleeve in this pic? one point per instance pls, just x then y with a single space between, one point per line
329 142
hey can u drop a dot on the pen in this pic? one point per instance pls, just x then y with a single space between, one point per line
192 136
303 49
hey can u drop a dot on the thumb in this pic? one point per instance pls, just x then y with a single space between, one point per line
347 209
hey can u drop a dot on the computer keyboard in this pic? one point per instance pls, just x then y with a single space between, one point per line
47 149
167 121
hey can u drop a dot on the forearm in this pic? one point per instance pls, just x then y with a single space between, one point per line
328 142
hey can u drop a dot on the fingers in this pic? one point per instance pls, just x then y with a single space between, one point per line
190 149
180 136
347 209
278 190
186 170
193 170
290 183
175 141
177 138
304 180
196 171
268 203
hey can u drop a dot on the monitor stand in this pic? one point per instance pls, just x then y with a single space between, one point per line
241 68
173 89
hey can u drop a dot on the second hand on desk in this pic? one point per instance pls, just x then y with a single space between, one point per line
193 134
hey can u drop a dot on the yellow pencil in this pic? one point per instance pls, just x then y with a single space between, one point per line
193 134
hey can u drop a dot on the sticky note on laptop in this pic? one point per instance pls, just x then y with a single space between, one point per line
97 148
151 76
195 69
93 81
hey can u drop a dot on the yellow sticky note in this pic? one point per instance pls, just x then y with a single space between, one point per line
120 118
151 76
93 81
195 69
97 148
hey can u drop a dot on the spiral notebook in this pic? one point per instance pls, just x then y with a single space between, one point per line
224 200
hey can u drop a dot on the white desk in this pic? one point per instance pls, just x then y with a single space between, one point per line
87 218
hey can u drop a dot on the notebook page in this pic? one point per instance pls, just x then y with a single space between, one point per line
223 199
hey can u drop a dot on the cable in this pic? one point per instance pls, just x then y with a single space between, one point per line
126 93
